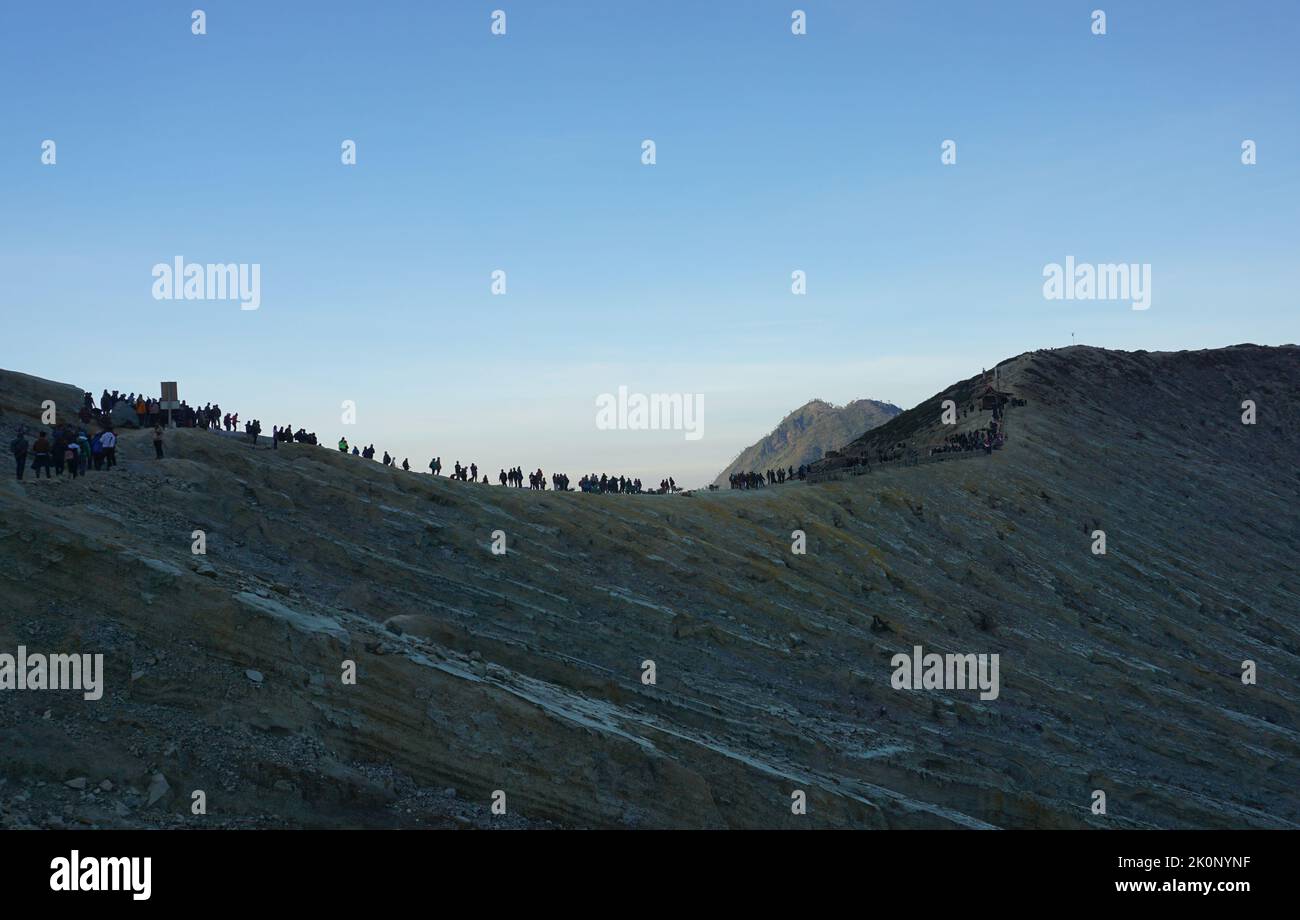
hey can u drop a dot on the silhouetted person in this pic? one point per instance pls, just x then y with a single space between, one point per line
19 449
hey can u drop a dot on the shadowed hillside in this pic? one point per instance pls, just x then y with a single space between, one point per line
806 434
523 672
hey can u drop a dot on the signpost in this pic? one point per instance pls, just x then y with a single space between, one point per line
169 400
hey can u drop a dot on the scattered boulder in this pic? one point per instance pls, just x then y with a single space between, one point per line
123 416
206 569
158 787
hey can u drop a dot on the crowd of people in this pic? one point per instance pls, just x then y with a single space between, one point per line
761 478
606 484
286 434
149 412
70 450
64 450
896 451
988 438
515 476
985 439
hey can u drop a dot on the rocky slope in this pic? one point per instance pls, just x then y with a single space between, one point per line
806 434
523 673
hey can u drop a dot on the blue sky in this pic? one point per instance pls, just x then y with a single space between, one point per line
522 152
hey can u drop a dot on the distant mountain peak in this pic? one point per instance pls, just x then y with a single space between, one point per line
808 432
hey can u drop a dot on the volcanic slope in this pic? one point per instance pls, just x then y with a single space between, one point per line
523 673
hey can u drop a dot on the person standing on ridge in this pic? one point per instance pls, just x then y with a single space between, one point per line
157 442
71 450
19 450
57 452
83 453
108 441
41 456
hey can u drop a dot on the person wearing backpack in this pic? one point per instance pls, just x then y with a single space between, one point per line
70 456
83 453
19 449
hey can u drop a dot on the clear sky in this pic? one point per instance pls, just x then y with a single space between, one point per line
523 152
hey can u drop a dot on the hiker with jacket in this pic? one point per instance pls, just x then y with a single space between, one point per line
19 450
157 442
41 459
108 441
